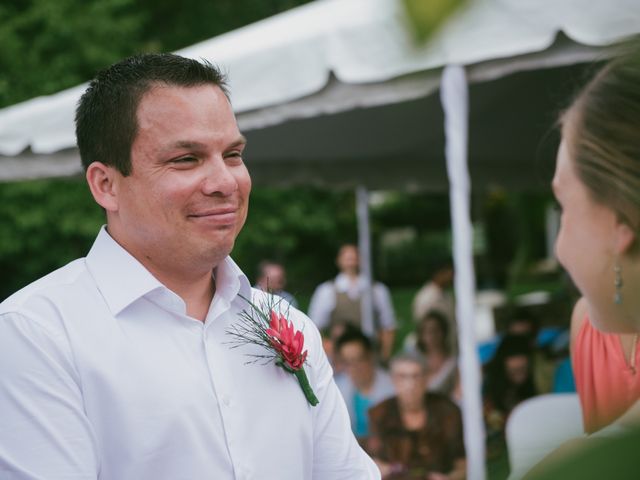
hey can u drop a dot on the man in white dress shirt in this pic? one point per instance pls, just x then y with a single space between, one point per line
118 365
338 301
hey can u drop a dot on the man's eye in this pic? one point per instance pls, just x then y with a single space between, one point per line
234 156
184 160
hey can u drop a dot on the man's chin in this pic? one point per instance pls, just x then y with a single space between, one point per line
220 251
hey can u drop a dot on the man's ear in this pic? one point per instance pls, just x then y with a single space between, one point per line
102 180
625 238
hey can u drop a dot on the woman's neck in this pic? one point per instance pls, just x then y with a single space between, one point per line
414 417
411 406
365 385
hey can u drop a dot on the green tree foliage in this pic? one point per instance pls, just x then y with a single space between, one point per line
426 17
175 24
45 224
49 45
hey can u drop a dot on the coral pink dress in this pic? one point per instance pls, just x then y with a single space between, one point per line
607 386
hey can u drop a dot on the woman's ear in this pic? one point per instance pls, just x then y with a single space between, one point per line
625 238
102 180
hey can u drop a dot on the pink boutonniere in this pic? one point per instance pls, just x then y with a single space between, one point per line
263 325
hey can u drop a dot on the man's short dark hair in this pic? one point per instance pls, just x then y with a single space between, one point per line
106 121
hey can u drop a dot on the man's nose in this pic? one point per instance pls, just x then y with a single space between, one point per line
219 179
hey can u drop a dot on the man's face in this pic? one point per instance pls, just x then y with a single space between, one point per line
358 362
348 259
274 277
187 196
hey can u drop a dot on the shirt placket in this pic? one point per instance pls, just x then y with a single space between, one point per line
222 383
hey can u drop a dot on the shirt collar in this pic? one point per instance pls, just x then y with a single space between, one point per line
231 281
122 279
343 284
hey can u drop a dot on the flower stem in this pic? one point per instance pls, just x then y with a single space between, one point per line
306 387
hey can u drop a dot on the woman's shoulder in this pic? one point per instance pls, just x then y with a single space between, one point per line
383 409
578 318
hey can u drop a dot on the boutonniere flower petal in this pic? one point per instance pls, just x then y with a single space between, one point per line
265 326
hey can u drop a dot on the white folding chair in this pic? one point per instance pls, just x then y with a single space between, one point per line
538 426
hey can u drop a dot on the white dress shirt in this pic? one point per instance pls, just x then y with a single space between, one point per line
323 302
104 376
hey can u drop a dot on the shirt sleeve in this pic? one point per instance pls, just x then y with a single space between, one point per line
384 306
337 454
322 304
44 433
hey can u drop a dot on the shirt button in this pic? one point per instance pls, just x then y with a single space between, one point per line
226 400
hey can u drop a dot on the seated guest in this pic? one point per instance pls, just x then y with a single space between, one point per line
362 384
330 336
433 343
521 321
416 435
435 295
509 381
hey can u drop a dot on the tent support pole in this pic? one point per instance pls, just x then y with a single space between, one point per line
364 248
454 95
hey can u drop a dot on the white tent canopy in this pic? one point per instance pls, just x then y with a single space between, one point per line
325 87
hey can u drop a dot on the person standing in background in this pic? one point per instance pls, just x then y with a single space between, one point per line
339 301
272 278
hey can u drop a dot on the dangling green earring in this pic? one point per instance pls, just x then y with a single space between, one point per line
617 281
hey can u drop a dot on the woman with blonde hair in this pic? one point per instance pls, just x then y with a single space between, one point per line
597 184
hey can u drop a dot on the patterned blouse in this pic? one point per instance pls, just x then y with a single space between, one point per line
415 453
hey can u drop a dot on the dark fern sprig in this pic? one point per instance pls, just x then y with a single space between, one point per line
265 325
251 328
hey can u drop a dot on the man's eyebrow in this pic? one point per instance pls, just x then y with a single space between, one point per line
242 140
191 145
186 144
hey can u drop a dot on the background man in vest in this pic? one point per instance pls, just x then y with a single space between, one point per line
338 301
